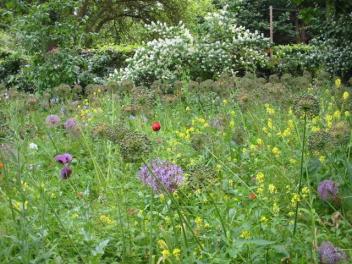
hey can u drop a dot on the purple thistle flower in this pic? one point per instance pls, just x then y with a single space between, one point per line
70 123
161 175
66 173
52 120
328 254
64 158
327 190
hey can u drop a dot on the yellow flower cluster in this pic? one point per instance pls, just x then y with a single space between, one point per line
165 252
276 151
106 219
86 112
20 206
345 96
245 234
269 109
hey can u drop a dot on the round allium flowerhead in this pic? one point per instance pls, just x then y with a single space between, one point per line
161 175
340 133
52 120
328 254
134 146
200 141
156 126
65 158
306 105
70 123
328 190
66 173
319 141
116 132
201 176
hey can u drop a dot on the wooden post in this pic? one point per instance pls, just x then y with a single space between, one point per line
271 29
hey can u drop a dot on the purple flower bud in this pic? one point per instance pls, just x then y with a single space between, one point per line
161 175
70 123
52 120
66 173
64 158
328 254
328 190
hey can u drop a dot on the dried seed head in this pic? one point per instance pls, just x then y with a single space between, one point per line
134 146
306 105
319 141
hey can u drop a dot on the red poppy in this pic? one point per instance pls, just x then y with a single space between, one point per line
156 126
252 196
1 165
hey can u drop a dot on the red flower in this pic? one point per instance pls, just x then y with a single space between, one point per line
156 126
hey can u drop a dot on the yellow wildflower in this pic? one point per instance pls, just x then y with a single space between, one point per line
338 83
162 244
245 234
198 221
305 191
345 96
20 206
291 123
252 147
287 132
276 208
276 151
260 190
337 114
272 188
260 177
176 252
260 141
315 129
270 123
106 220
263 220
295 199
322 159
165 253
293 161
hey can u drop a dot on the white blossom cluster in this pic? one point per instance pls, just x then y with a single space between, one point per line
221 46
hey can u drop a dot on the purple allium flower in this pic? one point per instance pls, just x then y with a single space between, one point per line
64 158
161 175
328 254
66 173
70 123
327 190
52 120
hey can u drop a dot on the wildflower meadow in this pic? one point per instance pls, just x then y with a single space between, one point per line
175 132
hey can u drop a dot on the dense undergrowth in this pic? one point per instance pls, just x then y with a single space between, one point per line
225 167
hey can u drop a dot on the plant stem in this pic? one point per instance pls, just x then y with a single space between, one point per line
301 173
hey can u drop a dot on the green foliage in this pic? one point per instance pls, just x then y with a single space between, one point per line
294 59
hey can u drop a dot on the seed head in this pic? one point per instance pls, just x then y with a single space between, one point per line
306 105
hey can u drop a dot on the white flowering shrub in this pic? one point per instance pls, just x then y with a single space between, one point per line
334 46
220 46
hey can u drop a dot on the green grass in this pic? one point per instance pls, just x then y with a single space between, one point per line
104 214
